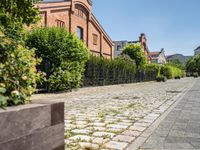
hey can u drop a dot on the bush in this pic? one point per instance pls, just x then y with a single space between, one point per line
171 72
101 71
17 72
64 56
161 78
193 65
195 75
177 77
152 71
135 52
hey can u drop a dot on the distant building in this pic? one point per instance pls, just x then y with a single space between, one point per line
197 51
183 59
158 57
119 45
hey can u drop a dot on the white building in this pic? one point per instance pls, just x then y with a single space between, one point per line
158 57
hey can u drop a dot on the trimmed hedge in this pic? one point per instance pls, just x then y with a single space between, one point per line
101 71
151 71
171 72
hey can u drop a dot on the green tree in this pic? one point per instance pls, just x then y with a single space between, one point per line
135 52
14 14
193 65
18 72
65 54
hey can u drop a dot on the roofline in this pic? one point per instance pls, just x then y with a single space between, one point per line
107 36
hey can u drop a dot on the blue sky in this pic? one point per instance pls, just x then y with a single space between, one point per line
170 24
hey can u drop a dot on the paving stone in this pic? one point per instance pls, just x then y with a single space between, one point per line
98 141
81 131
80 126
114 130
117 126
124 123
137 128
81 138
99 128
116 145
124 138
131 133
142 124
86 145
81 122
103 134
99 124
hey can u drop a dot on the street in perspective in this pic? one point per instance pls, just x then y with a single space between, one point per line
99 75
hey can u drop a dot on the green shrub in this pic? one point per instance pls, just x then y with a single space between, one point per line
193 65
195 75
64 56
161 78
101 71
17 72
135 52
171 72
177 77
151 71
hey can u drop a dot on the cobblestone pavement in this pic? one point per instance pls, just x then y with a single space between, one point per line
180 130
112 117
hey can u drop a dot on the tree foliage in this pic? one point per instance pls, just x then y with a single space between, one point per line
63 52
135 52
193 65
14 14
18 73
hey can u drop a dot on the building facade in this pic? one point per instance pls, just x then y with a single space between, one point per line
197 51
119 45
158 57
76 16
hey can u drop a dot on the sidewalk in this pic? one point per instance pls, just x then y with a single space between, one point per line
180 130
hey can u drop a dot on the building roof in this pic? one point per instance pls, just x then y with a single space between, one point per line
198 48
154 55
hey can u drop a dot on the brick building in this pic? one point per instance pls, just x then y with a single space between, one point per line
77 17
119 45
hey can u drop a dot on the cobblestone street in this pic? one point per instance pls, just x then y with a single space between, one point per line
112 117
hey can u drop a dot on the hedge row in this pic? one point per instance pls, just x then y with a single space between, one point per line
100 71
171 72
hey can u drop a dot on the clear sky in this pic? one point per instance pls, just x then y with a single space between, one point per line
170 24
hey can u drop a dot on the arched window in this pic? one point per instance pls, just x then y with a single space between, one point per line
80 33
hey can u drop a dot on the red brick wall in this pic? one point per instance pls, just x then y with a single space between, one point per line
78 20
93 30
75 14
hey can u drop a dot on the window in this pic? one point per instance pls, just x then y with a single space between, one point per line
118 48
80 33
60 23
95 39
